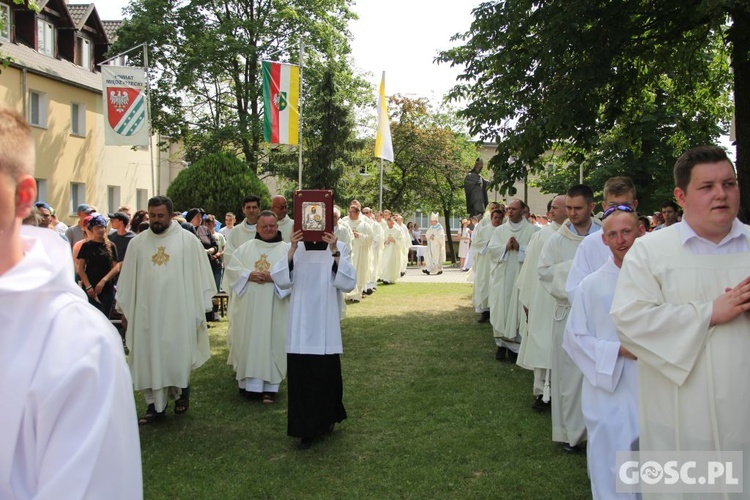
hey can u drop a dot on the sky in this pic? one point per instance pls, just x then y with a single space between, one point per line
400 37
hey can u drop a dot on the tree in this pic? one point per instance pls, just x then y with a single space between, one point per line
206 58
628 84
431 158
217 183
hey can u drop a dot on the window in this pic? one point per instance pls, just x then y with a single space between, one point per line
41 189
77 119
141 201
77 195
84 53
4 22
113 198
45 37
38 108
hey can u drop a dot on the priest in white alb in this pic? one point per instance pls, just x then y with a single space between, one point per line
164 290
258 313
557 255
480 239
393 240
539 306
507 251
681 307
245 230
286 223
360 248
609 395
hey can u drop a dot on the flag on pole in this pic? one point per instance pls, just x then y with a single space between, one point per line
383 143
280 102
124 93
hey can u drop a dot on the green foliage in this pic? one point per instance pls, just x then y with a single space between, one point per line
205 59
217 183
618 87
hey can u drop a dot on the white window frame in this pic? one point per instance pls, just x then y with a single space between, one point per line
37 108
83 52
113 198
77 195
78 119
141 199
41 190
46 39
5 22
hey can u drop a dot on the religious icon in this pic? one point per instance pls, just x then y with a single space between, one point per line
313 216
313 213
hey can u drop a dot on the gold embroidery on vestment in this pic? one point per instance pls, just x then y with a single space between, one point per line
160 257
262 264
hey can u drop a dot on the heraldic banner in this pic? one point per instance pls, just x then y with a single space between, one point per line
280 102
125 118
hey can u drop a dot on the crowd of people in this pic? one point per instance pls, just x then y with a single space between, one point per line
626 331
636 341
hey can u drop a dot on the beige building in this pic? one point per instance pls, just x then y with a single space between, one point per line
54 81
532 196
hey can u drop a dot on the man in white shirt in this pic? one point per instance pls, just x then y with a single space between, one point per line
681 308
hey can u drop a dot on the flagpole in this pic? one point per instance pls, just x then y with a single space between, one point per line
148 117
299 146
380 202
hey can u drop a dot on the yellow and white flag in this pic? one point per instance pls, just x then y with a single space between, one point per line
383 143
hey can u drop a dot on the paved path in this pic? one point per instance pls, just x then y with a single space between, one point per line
450 275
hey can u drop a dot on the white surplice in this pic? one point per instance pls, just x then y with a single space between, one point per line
286 226
376 254
239 234
69 427
314 325
482 264
164 290
258 315
591 254
692 376
360 253
554 264
609 395
393 241
536 345
505 309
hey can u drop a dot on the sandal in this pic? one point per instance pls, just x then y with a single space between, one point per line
181 405
150 416
268 398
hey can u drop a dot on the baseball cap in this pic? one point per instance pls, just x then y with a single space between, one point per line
42 204
121 216
95 220
193 212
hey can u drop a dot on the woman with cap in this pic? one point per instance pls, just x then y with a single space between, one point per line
97 265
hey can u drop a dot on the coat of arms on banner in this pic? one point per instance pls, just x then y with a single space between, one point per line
126 110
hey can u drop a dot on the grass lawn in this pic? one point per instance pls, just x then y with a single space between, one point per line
431 415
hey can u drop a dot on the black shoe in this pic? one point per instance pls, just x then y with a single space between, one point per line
305 444
539 404
512 356
484 318
404 274
500 353
426 271
439 273
368 292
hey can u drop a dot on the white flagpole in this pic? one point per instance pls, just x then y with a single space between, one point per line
380 202
148 117
299 108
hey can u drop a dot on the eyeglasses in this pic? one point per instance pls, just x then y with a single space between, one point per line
617 208
625 203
